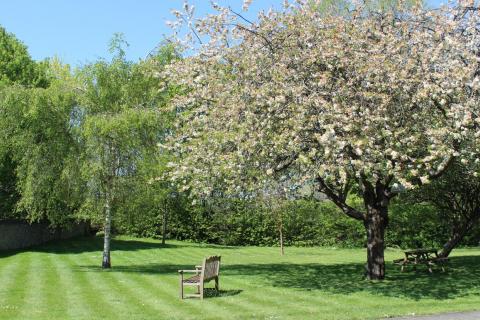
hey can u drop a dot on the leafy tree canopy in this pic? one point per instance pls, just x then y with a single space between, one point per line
43 147
16 65
381 99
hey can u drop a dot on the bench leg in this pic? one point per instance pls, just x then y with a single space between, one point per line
201 290
181 288
217 287
444 267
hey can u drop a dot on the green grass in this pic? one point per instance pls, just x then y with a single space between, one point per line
64 281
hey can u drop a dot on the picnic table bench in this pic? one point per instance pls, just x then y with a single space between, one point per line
428 257
209 270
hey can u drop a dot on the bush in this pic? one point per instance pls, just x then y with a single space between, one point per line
305 223
236 222
415 226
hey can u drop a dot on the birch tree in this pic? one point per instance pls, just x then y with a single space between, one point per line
122 118
378 99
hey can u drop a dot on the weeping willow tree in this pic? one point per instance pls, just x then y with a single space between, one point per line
18 71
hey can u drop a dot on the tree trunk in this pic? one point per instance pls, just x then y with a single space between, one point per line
452 243
457 235
106 263
375 224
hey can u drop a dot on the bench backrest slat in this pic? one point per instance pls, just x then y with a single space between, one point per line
210 267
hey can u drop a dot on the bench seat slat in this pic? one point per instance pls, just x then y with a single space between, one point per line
194 279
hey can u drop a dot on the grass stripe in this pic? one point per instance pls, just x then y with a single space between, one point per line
92 291
14 281
155 291
118 284
35 287
173 287
8 281
67 293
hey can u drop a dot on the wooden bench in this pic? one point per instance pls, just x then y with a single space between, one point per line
208 271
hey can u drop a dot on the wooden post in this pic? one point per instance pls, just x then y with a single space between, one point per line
165 217
282 252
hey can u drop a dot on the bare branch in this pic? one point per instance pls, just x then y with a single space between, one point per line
339 201
240 16
269 43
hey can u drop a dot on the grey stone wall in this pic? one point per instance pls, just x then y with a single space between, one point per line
20 234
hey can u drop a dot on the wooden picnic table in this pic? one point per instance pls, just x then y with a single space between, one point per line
428 257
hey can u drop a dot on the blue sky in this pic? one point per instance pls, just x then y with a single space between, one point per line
79 31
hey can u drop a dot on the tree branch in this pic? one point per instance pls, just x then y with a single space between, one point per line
269 43
339 201
240 16
442 169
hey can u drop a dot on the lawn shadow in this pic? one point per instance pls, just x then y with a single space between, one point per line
209 293
462 277
95 244
150 268
8 253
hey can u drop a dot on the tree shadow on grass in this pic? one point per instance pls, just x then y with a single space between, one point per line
95 244
462 277
91 244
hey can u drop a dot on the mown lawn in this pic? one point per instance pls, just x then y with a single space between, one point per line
63 281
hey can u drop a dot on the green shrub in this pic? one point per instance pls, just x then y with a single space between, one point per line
305 223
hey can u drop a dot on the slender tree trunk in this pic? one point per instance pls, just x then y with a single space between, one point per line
280 230
106 263
277 211
458 234
375 224
165 220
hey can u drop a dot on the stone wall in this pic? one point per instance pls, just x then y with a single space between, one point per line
20 234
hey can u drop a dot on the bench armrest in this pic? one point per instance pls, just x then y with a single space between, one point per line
198 267
188 271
